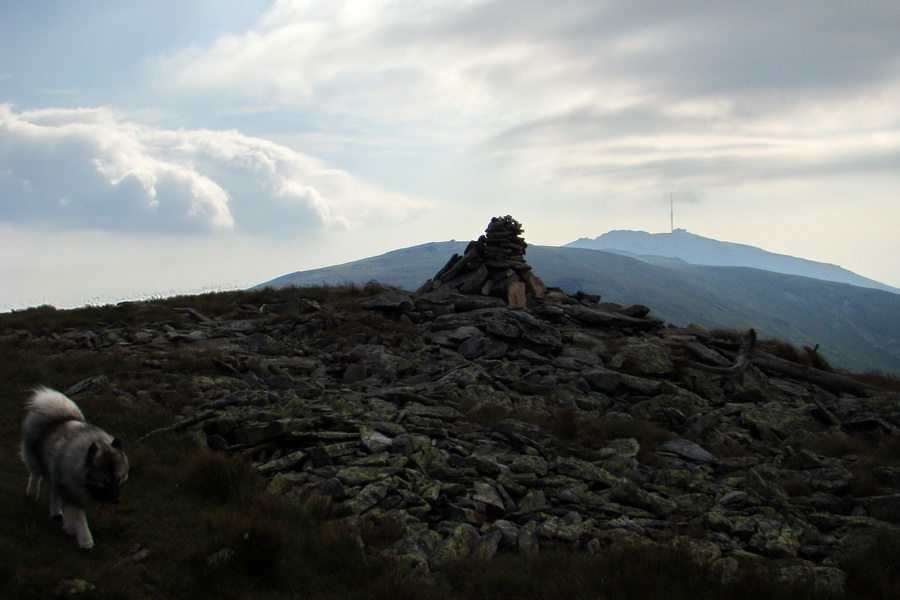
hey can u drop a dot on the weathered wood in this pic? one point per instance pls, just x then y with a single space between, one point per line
741 362
195 313
182 425
748 354
829 381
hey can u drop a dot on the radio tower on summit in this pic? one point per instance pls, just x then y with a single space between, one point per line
671 214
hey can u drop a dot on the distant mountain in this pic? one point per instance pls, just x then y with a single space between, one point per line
856 328
698 250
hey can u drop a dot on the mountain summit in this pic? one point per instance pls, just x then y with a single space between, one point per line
699 250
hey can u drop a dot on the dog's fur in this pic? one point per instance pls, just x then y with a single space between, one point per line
83 465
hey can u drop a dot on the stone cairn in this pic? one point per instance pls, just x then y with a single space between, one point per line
492 265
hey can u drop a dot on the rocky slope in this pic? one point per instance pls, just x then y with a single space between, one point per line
471 427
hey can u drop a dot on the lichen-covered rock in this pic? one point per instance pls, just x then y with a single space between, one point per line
826 581
369 496
581 469
775 421
628 493
774 539
458 545
640 357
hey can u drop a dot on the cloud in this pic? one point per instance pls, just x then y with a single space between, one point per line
704 143
93 168
505 60
580 94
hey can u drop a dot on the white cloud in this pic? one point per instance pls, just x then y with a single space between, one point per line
580 94
427 64
505 60
92 168
647 147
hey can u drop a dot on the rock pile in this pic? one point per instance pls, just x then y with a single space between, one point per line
476 428
493 265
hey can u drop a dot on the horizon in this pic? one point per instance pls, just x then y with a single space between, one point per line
155 150
213 289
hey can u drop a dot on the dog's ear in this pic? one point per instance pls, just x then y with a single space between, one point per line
93 450
117 444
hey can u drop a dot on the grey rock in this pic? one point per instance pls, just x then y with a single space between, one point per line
458 545
580 469
369 496
688 450
883 508
391 300
774 539
627 492
642 358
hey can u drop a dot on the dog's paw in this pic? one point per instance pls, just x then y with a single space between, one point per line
87 545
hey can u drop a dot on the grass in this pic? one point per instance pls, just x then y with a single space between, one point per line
204 521
806 356
572 432
198 524
879 379
671 571
223 304
209 528
873 572
585 434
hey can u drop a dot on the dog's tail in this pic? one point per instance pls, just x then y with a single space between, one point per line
52 405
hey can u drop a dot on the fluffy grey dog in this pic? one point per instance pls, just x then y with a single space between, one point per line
83 464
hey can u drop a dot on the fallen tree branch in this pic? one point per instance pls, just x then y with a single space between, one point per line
210 410
195 313
181 425
824 379
741 362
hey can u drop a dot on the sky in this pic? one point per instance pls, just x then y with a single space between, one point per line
151 149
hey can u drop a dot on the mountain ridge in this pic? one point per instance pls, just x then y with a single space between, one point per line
856 328
699 250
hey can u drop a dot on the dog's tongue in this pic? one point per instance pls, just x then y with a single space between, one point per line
109 510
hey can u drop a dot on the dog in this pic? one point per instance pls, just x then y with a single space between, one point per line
83 465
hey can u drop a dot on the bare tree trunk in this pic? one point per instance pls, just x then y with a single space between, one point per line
824 379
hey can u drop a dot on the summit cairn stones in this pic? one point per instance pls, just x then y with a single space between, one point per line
493 265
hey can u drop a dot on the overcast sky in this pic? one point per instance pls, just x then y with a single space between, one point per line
179 146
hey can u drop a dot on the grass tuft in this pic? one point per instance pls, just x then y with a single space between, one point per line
873 572
221 479
619 572
879 379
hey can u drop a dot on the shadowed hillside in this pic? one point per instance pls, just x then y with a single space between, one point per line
374 443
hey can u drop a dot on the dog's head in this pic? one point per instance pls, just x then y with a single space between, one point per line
107 471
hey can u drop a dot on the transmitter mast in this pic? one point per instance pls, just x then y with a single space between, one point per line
671 214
